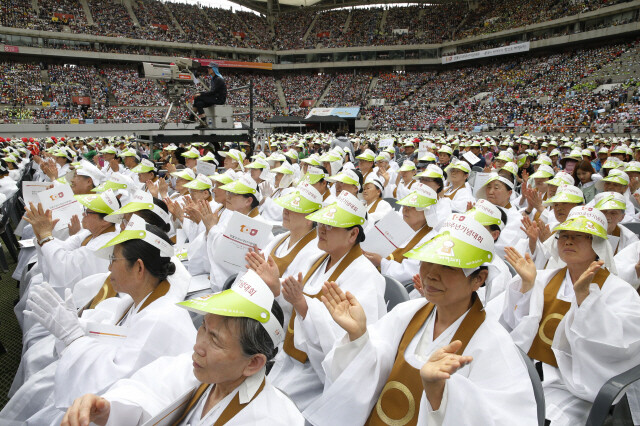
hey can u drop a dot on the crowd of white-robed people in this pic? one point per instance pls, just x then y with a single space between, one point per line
518 248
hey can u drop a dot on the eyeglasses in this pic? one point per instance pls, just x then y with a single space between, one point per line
112 258
86 212
563 238
326 227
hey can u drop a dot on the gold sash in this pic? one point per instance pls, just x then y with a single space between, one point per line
374 206
326 194
352 255
395 191
453 194
399 401
111 228
284 262
398 254
254 212
616 233
229 413
106 292
552 313
160 290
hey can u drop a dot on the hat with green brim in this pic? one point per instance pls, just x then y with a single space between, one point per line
136 229
432 171
461 243
486 213
543 160
567 194
248 297
620 149
116 182
346 212
145 166
108 150
129 153
390 149
505 156
632 166
421 197
347 176
313 160
617 176
141 200
292 153
544 171
460 165
105 202
201 182
314 175
482 192
277 156
428 157
258 163
610 201
242 186
446 150
330 157
383 156
407 165
209 157
285 169
367 155
511 168
561 178
305 199
192 153
612 163
585 219
186 174
224 178
9 159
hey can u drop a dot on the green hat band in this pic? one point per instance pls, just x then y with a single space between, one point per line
297 203
450 251
582 224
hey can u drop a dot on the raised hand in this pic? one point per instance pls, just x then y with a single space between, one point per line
40 220
417 284
266 269
470 205
581 286
163 188
374 258
441 365
209 218
345 310
192 212
152 187
74 225
544 230
175 209
531 229
524 266
292 293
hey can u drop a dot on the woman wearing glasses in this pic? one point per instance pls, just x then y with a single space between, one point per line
112 341
581 321
310 332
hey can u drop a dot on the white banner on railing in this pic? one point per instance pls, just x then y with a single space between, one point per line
504 50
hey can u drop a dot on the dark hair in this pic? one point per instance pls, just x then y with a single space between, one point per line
360 179
254 202
158 266
440 183
360 238
254 339
503 218
584 166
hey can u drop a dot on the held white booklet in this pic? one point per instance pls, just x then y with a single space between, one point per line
172 413
30 191
61 203
242 233
387 234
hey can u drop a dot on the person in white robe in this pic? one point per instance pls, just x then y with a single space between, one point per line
372 191
616 181
613 206
310 332
414 207
451 364
221 382
294 251
458 191
120 336
284 177
581 321
401 187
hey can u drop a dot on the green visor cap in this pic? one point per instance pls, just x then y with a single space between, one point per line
567 194
346 212
461 243
115 183
314 175
421 197
244 185
305 199
104 203
137 230
201 182
610 201
348 176
367 155
184 174
486 213
585 219
145 166
248 297
141 200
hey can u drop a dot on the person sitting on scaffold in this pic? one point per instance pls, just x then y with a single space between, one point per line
217 95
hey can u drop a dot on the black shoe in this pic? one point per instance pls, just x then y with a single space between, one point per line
188 121
201 126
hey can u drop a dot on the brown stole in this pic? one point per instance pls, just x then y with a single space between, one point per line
326 194
552 313
284 262
398 254
106 292
229 412
364 177
508 206
111 228
399 401
352 255
374 206
174 239
254 212
616 233
395 191
160 290
453 194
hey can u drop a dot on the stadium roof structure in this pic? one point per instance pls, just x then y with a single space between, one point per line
268 7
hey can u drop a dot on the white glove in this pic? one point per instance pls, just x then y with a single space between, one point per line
58 316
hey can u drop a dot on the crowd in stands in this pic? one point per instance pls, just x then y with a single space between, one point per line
290 28
17 13
347 89
396 87
20 84
55 13
69 81
113 19
302 87
329 26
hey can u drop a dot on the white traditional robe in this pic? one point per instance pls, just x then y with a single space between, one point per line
494 389
626 261
593 342
405 270
317 332
156 386
272 212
